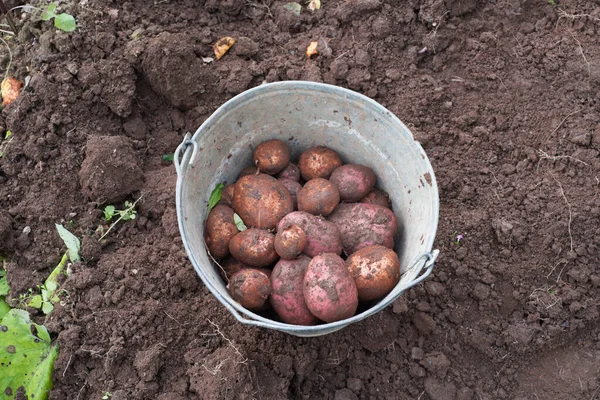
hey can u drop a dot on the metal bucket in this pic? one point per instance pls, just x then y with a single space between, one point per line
307 114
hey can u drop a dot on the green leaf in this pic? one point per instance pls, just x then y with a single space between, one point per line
168 157
215 196
65 22
47 307
27 360
293 7
4 288
71 241
36 301
4 308
49 12
239 223
109 212
8 134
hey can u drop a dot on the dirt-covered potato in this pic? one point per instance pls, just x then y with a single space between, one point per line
329 289
253 247
220 229
227 195
261 201
230 266
376 270
322 236
293 187
378 197
290 242
271 156
291 172
318 197
353 181
318 162
251 170
287 296
251 288
363 225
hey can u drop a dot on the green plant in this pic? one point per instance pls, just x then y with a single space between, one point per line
48 295
239 223
64 22
107 395
127 214
215 196
168 157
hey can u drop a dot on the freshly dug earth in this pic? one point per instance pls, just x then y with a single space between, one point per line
503 96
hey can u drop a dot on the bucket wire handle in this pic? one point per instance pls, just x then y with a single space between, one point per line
182 148
425 269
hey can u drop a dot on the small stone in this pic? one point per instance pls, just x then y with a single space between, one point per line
508 169
399 306
27 230
424 323
584 139
448 104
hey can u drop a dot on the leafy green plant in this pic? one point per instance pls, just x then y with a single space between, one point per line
239 223
215 196
127 214
168 157
72 242
107 395
48 295
4 289
64 22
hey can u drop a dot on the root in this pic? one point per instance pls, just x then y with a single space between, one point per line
562 191
229 341
545 156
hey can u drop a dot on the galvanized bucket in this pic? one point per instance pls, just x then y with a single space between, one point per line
307 114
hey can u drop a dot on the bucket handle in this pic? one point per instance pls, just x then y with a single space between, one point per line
182 148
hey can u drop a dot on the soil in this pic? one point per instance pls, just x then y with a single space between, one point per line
503 95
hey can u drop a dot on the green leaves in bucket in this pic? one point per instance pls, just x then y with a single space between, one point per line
239 223
215 196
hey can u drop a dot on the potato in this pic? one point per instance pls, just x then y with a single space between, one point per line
353 181
261 201
318 197
363 225
271 157
287 296
253 247
230 266
322 236
220 228
290 242
251 288
376 270
227 195
248 171
329 289
378 197
291 172
293 187
318 162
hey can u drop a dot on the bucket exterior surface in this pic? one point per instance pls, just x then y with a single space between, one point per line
307 114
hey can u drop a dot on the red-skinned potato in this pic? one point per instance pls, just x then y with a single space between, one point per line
290 242
227 195
322 236
318 162
253 247
318 197
378 197
293 187
287 296
376 270
220 229
272 156
329 289
291 172
353 181
261 201
251 288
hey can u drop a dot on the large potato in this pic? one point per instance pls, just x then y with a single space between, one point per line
220 228
230 266
251 288
271 156
376 270
318 197
322 236
293 187
227 195
253 247
353 181
318 162
290 242
329 289
287 296
378 197
291 172
363 225
261 201
251 170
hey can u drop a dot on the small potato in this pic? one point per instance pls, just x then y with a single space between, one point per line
353 181
378 197
248 171
290 242
318 162
291 172
261 201
251 288
322 236
220 229
227 195
318 197
376 270
329 289
230 266
287 297
293 187
253 247
272 156
363 225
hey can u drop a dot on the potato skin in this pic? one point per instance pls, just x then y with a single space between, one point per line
287 296
251 288
227 195
376 270
363 225
261 201
253 247
318 197
290 242
322 236
251 170
293 187
220 229
271 156
378 197
230 266
329 289
291 172
354 181
318 162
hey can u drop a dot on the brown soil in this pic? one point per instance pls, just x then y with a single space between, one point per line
503 95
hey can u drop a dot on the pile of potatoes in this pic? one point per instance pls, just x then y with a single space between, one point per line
319 236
